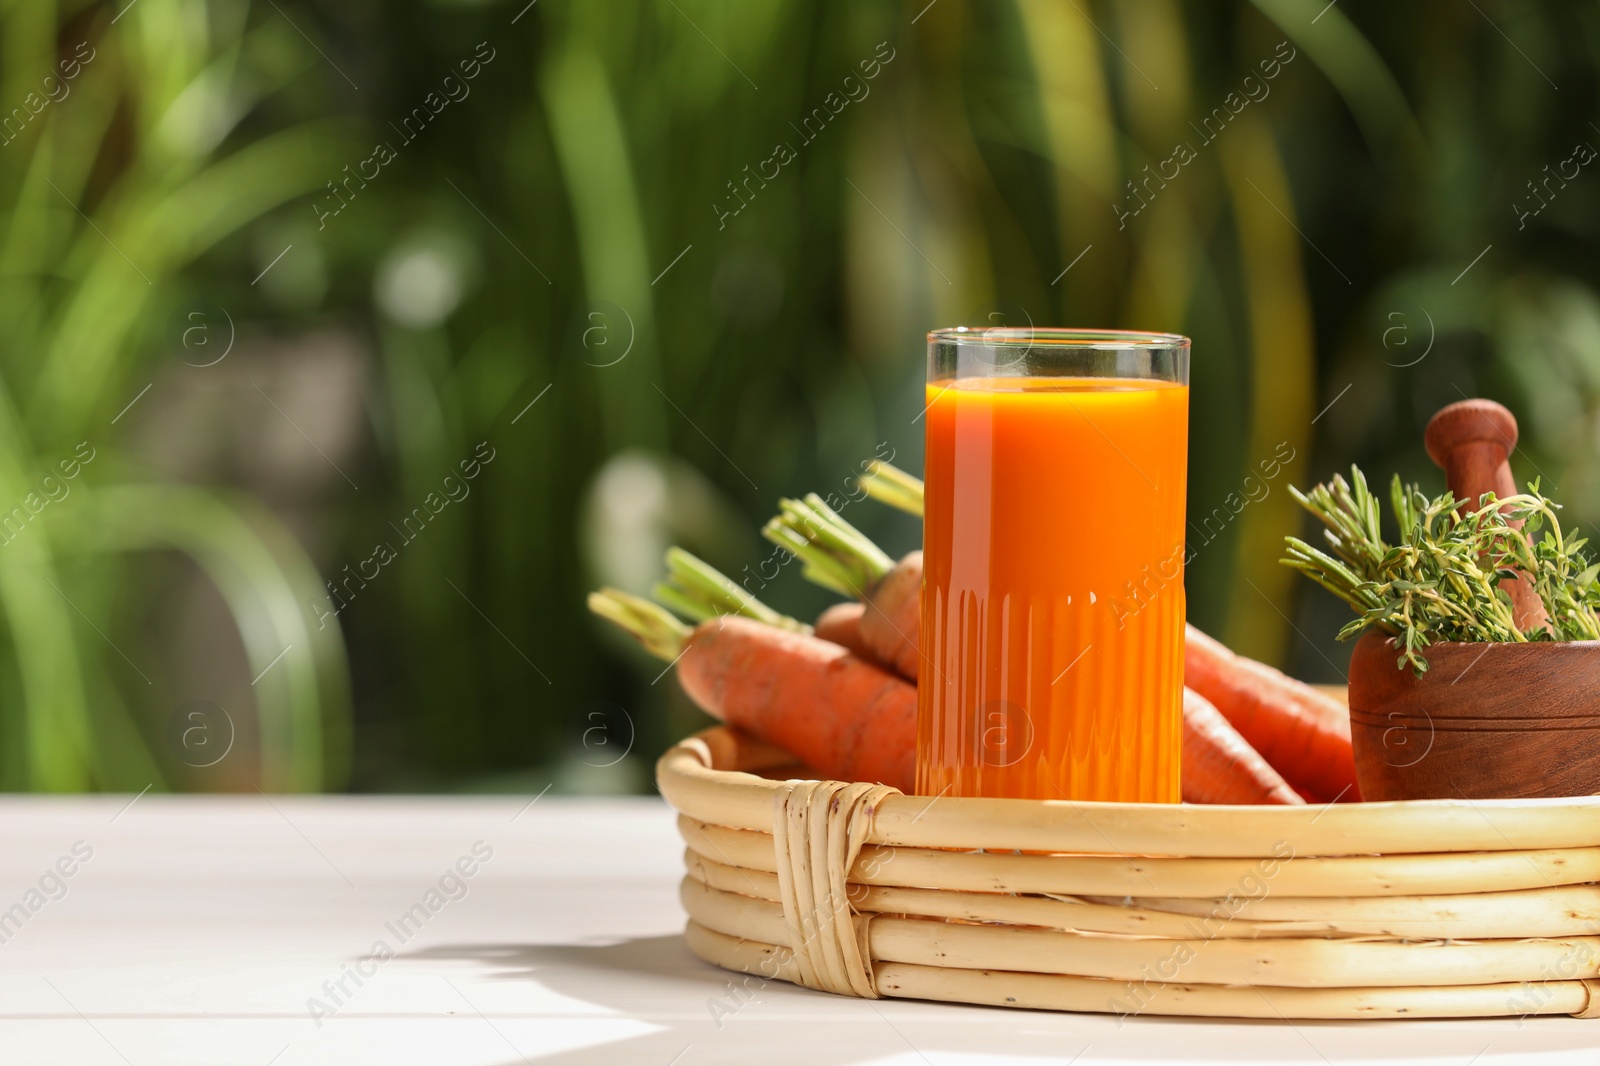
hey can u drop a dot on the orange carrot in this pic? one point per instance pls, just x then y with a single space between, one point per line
838 556
1219 766
892 626
1303 733
884 626
841 624
843 717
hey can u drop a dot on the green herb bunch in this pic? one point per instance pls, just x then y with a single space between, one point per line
1441 581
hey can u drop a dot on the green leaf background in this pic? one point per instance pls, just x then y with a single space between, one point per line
553 269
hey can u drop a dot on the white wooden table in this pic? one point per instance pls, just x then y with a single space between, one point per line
219 931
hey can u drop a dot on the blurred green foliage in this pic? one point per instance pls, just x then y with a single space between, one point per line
642 268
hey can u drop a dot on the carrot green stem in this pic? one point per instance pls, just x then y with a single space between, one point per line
699 590
828 528
835 554
893 486
675 600
816 566
661 634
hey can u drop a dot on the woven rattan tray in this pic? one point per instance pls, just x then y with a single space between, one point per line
1379 910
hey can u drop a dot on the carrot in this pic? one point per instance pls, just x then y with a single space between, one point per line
843 717
836 555
841 624
1302 732
1219 766
892 625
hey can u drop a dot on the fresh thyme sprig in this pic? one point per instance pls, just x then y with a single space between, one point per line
1441 582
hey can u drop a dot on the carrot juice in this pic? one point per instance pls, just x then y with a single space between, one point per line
1052 603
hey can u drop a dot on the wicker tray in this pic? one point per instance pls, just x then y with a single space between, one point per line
1380 910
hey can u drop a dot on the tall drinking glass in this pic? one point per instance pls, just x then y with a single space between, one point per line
1052 603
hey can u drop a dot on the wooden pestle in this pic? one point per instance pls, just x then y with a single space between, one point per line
1472 440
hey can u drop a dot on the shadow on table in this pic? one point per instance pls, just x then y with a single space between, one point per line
708 1012
576 969
691 1002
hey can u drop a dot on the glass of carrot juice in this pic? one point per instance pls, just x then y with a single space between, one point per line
1052 600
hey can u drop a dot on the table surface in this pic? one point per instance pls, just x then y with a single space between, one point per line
259 931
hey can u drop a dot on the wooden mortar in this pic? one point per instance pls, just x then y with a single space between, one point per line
1486 721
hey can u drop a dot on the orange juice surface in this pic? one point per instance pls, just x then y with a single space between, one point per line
1052 600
